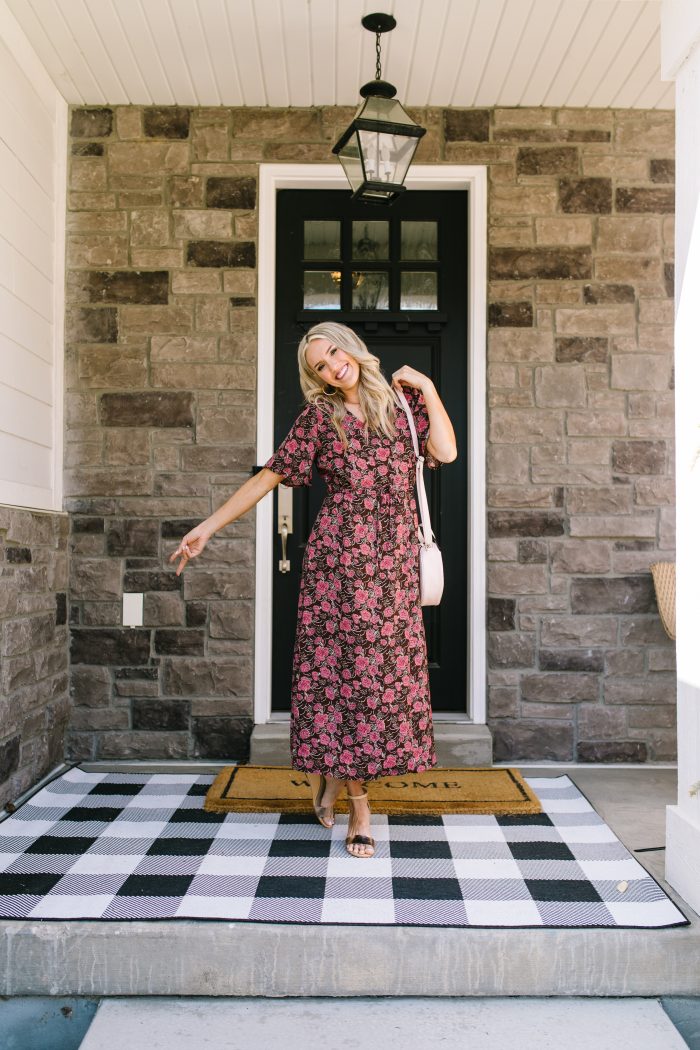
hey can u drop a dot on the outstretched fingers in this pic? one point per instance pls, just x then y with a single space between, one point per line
184 552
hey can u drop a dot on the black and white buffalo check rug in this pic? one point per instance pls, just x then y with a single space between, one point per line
97 845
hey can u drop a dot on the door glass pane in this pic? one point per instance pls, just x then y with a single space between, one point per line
321 239
419 290
370 240
321 289
419 240
370 290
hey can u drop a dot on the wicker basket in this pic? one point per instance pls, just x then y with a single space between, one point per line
664 576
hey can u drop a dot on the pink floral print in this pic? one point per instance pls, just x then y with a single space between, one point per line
360 704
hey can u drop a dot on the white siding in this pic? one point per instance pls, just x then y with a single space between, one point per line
32 219
681 31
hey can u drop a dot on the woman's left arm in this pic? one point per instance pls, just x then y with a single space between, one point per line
441 443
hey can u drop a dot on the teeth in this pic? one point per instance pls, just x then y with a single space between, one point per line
342 373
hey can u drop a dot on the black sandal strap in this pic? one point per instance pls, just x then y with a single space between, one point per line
360 840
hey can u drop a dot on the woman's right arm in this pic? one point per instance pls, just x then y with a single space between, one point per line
243 500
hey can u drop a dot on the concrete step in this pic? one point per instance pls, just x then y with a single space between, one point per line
432 1024
457 743
192 957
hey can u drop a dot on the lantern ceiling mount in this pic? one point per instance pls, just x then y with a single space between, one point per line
378 24
378 146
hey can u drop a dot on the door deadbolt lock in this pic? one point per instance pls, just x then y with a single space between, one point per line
285 521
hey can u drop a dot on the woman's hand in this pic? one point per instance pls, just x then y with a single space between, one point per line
410 377
441 443
191 545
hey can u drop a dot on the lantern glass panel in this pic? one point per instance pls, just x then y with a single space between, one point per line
387 157
350 159
386 110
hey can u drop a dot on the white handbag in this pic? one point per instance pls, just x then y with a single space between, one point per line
432 580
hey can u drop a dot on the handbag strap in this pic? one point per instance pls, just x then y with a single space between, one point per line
425 532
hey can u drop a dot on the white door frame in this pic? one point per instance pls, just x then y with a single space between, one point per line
274 177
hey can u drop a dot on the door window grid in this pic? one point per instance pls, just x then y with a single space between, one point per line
356 254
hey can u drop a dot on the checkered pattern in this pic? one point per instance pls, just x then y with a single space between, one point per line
94 845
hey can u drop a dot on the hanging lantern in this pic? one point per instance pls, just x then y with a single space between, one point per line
377 148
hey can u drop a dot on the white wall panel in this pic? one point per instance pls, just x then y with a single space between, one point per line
638 79
25 461
33 142
19 229
27 192
315 52
25 371
580 59
146 55
217 32
635 44
429 41
323 37
528 55
171 51
118 47
43 47
565 28
479 52
245 52
452 51
94 48
193 44
52 15
295 29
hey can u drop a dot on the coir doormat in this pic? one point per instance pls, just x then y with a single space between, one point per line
280 789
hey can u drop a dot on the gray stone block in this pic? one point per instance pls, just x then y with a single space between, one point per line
128 286
159 713
592 195
221 254
105 647
624 594
467 125
161 409
166 122
238 192
543 263
91 122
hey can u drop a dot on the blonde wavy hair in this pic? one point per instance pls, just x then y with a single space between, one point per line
378 400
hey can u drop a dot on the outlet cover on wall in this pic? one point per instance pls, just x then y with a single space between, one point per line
132 610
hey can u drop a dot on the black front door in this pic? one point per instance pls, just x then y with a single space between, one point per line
398 277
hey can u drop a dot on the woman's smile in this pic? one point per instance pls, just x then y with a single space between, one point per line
343 371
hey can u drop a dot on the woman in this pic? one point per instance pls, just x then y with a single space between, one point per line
360 705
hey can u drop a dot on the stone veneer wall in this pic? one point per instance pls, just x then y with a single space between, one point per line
34 694
161 372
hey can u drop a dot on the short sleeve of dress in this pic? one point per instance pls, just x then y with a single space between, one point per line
416 402
294 458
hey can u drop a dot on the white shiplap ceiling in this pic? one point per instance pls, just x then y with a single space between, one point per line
595 53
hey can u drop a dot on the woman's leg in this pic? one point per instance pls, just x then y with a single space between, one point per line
359 819
333 788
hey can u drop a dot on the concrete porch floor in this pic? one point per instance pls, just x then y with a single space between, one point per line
202 958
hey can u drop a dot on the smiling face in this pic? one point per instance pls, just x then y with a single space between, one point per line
333 366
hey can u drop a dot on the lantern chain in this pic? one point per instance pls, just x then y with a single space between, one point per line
379 57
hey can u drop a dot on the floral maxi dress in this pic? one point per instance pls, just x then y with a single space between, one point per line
360 703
